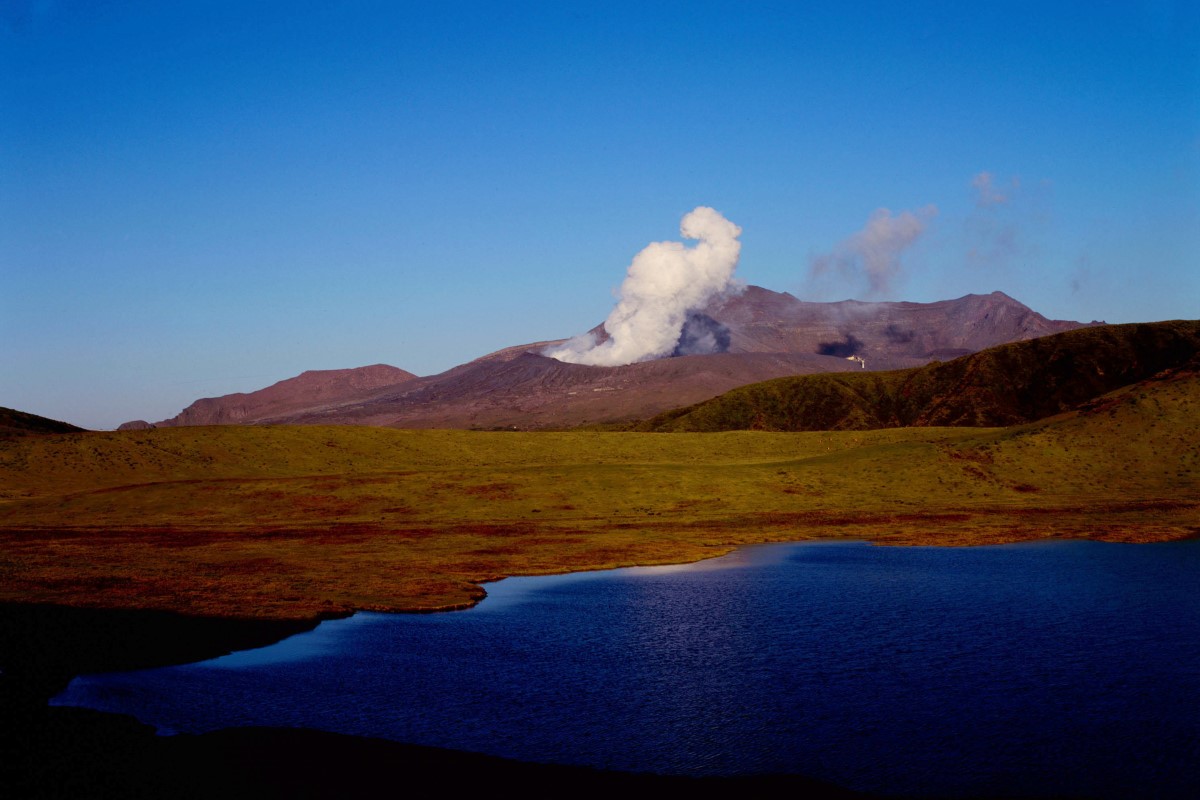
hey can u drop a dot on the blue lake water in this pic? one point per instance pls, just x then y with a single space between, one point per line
1030 669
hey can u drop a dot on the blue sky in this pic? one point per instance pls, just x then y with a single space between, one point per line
199 198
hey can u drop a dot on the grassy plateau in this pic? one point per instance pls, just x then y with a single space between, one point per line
304 522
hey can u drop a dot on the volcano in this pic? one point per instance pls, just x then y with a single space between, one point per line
760 334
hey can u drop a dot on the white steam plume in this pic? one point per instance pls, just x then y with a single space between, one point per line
665 282
874 252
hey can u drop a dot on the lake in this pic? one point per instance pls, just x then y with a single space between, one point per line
1057 667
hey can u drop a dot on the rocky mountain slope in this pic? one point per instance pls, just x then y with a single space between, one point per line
315 389
884 335
760 334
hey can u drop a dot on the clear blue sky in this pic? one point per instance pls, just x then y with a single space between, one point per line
199 198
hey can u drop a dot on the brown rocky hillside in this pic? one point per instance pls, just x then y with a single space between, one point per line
766 334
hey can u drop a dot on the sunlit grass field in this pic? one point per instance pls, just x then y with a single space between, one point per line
302 521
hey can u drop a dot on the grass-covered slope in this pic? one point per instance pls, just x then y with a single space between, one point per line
19 423
1005 385
294 522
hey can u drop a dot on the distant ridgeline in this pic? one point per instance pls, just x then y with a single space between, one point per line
1005 385
751 336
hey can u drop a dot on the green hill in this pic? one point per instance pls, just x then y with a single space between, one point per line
1006 385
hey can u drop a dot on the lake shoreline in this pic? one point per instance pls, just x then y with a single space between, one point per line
64 751
60 751
327 572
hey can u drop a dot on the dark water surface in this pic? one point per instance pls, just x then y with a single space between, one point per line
1047 668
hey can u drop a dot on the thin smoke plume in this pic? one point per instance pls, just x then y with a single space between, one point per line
849 346
702 335
665 285
987 193
874 253
995 231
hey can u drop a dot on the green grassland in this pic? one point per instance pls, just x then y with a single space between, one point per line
296 522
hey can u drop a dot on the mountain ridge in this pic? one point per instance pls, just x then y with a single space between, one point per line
291 395
1009 384
766 335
